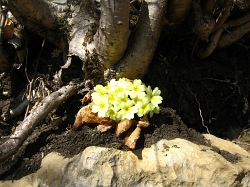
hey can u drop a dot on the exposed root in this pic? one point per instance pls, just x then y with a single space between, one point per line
204 23
234 35
209 6
136 61
112 36
23 130
223 15
212 44
177 10
202 119
241 24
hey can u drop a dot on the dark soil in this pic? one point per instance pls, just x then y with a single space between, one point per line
212 92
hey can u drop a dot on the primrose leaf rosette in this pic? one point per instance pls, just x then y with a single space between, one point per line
123 99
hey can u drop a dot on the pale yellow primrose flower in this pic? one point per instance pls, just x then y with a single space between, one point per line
154 96
111 86
112 113
112 97
100 91
100 106
123 87
123 99
128 110
137 89
144 107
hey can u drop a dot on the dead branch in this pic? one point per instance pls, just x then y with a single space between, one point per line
136 61
112 35
23 130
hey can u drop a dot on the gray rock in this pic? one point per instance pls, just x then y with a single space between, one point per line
176 162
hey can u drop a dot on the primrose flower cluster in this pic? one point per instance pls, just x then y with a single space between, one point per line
123 99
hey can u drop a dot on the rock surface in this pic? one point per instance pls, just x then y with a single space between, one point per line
175 162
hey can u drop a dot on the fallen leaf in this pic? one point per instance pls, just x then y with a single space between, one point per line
103 128
87 97
123 126
85 115
133 137
143 122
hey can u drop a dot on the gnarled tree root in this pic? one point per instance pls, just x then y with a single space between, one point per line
203 23
240 26
10 146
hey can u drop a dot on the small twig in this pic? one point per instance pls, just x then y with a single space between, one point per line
32 82
195 46
26 64
3 123
16 111
223 81
242 143
22 131
202 119
38 59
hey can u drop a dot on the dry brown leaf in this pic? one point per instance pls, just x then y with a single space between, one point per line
143 122
123 126
133 137
87 97
85 115
103 128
